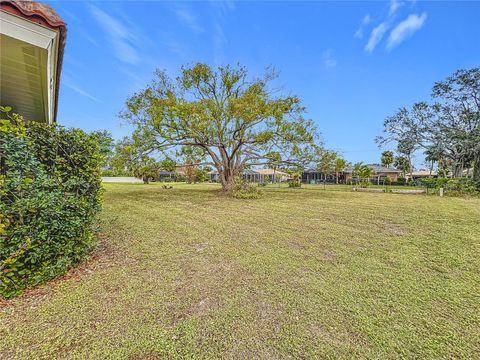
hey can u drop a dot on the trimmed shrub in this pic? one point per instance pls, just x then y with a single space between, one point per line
50 191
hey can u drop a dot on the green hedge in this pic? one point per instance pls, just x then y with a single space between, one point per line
50 191
453 187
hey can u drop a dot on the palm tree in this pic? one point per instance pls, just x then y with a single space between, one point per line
363 173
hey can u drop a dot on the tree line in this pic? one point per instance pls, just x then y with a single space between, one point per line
446 129
223 119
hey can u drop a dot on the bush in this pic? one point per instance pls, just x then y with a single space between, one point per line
453 187
294 184
461 186
181 178
295 181
201 175
433 183
400 181
245 190
50 190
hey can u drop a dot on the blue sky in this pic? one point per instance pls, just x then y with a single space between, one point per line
351 63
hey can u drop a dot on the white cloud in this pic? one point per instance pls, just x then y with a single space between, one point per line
175 47
328 60
80 91
120 37
222 8
221 11
187 18
366 19
375 37
394 5
405 29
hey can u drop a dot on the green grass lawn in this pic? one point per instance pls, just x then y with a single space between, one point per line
188 273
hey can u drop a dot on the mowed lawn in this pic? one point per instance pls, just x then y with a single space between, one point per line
302 274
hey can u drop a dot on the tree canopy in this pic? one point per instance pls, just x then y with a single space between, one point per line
232 120
387 158
446 129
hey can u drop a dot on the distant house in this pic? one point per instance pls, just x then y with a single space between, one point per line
256 175
164 175
346 176
32 38
420 174
312 176
379 173
274 175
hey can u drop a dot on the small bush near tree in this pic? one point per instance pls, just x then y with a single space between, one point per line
201 175
295 181
50 191
245 190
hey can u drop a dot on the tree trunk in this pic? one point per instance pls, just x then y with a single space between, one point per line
409 168
227 179
456 169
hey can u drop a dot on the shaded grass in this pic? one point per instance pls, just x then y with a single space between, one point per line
188 273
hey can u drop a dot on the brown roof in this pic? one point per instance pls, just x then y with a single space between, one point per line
44 15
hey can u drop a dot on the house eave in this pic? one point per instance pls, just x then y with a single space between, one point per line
37 25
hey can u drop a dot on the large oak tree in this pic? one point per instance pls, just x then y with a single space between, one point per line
234 120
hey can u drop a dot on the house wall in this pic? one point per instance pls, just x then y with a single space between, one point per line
393 177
